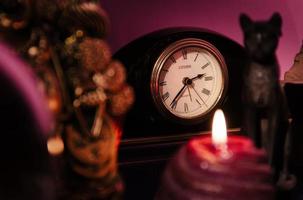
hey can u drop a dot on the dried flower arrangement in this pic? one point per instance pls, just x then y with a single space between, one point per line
63 41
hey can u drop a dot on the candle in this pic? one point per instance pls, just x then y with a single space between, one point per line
218 167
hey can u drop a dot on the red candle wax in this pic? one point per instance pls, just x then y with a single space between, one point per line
199 171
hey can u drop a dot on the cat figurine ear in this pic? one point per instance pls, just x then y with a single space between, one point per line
245 22
276 22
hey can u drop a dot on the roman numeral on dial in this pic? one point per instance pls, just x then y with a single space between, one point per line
184 54
196 56
198 102
206 91
172 58
204 66
174 105
165 96
185 107
162 83
208 78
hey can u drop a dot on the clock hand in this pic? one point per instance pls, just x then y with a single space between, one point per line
178 94
199 95
189 94
199 76
187 81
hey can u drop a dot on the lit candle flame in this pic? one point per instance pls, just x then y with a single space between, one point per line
219 133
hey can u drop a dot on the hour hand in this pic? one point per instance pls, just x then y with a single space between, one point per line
199 76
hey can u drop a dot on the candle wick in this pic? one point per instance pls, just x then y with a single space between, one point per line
223 151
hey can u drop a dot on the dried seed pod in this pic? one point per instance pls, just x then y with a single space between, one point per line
94 54
114 76
85 16
17 13
92 98
122 101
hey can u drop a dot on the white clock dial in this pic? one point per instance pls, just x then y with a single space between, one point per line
189 79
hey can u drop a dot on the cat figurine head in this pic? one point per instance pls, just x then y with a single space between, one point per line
261 37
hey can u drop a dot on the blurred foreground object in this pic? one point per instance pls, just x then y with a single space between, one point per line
25 121
293 89
295 73
64 43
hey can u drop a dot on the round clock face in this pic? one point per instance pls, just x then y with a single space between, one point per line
188 80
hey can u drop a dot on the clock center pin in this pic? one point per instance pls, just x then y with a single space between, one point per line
187 81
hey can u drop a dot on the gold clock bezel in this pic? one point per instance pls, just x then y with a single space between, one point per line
154 85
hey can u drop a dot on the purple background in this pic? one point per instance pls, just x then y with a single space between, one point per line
133 18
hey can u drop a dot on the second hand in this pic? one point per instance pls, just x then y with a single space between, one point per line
199 95
189 94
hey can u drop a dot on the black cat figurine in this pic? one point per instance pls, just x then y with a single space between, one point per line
263 99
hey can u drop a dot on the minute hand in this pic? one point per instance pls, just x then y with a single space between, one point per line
179 93
186 82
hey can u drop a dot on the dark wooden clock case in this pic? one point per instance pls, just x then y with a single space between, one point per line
149 139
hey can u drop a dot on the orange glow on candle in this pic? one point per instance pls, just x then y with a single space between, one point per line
219 133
